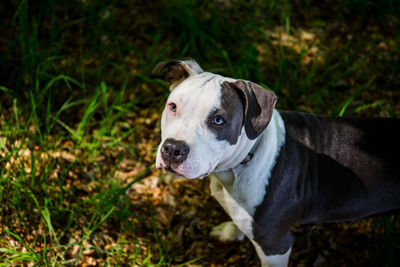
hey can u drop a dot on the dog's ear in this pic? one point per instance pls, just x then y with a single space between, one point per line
177 70
259 105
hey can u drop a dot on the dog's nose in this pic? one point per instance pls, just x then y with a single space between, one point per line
174 151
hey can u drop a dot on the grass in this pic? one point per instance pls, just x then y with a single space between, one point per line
78 102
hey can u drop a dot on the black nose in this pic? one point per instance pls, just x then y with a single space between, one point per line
174 151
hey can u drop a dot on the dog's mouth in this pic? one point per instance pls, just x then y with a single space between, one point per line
172 171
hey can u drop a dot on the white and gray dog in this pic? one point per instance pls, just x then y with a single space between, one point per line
270 169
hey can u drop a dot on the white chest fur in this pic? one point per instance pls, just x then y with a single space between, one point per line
242 219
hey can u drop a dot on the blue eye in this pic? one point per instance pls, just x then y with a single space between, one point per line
218 120
172 107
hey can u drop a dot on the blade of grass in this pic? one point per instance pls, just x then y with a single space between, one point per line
102 220
357 91
31 253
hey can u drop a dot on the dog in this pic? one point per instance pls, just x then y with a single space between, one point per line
270 169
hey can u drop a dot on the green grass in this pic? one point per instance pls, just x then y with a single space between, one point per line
76 80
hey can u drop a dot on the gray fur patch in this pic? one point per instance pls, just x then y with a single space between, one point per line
232 111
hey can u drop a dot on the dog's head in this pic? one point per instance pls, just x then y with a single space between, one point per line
209 122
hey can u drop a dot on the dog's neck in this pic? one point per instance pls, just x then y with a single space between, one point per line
241 151
250 156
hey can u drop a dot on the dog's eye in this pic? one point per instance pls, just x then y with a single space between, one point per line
172 107
218 120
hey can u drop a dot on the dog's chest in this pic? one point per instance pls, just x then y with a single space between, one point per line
233 203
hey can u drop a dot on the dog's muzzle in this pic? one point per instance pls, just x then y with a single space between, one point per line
174 152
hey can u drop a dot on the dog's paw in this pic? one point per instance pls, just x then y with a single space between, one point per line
227 231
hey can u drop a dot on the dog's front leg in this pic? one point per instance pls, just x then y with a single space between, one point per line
241 224
279 260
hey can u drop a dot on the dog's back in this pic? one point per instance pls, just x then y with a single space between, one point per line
359 151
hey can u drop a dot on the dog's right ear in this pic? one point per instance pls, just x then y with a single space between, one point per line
177 70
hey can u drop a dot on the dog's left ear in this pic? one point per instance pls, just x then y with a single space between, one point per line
259 105
177 70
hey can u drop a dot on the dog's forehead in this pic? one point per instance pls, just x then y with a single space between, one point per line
203 89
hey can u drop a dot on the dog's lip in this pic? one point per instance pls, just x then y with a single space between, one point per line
169 169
